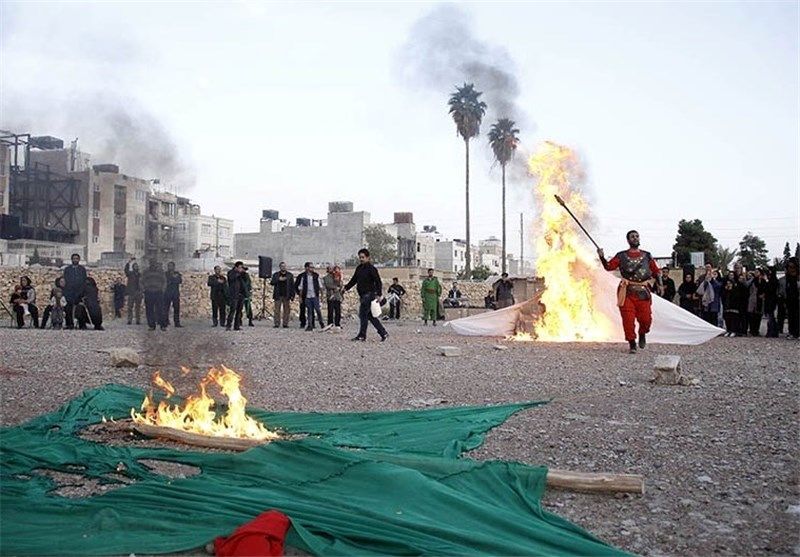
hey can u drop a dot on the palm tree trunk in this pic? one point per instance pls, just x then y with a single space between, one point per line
504 219
468 265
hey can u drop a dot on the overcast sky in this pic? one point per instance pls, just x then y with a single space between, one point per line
679 110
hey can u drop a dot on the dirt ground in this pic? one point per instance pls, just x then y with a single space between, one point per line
720 459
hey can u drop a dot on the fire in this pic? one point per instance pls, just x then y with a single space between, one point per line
197 414
563 259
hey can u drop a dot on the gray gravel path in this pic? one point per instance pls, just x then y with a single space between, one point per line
720 459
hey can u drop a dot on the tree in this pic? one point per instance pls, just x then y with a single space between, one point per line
726 257
467 111
693 237
382 246
503 140
34 259
797 251
481 272
787 253
752 252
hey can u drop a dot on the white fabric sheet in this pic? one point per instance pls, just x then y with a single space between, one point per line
671 323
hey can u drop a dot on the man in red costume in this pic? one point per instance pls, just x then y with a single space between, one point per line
636 267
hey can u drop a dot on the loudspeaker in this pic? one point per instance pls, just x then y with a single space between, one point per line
264 267
10 227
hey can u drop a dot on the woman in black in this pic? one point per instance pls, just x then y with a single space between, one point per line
687 293
61 284
90 310
29 294
771 302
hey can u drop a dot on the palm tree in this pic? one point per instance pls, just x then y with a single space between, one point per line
503 140
726 257
467 111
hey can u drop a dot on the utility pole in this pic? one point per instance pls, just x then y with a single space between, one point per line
521 248
216 248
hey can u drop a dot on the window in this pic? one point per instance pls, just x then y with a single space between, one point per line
139 220
141 195
96 187
139 245
206 229
96 214
418 250
224 232
95 239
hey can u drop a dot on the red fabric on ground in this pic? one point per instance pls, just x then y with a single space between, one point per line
264 535
638 310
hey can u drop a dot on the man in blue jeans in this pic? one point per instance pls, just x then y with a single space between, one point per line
369 287
309 291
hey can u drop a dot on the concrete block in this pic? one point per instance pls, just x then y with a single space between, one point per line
124 357
449 351
667 370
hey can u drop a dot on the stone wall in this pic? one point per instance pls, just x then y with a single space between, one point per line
195 301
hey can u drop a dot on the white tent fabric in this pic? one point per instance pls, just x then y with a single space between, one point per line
671 323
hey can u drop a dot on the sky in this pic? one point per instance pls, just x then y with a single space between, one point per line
677 109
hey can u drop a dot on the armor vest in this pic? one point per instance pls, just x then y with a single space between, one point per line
636 269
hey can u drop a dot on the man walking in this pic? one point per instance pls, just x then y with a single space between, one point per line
283 290
172 294
396 293
133 290
75 282
153 282
368 284
217 285
430 291
636 267
308 289
235 296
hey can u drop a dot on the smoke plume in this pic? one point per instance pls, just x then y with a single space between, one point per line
442 52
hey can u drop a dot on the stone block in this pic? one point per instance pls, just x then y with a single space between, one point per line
449 351
124 357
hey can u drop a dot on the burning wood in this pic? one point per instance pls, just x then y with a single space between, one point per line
196 417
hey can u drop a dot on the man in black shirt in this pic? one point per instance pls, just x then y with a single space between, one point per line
235 296
75 279
396 293
669 285
282 293
369 287
218 286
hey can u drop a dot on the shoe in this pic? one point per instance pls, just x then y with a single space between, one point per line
309 328
227 327
237 328
130 322
177 326
434 323
425 323
632 347
163 328
151 328
276 326
250 323
384 337
286 326
362 339
215 325
642 340
99 328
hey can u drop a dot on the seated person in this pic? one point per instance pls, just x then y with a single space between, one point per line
453 299
488 300
18 305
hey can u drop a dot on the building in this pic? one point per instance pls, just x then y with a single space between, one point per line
199 235
451 255
5 169
336 239
490 255
405 231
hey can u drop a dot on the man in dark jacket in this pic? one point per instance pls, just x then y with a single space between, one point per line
308 288
368 284
218 286
669 286
396 293
153 282
133 290
504 292
75 281
172 294
236 295
283 291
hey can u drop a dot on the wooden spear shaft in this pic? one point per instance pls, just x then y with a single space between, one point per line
561 202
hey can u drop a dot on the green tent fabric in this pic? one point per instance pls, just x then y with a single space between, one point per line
358 484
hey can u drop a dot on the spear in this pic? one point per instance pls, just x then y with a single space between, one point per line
561 202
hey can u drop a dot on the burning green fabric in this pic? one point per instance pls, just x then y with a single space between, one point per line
360 483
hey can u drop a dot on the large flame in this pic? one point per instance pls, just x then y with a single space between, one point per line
562 256
197 414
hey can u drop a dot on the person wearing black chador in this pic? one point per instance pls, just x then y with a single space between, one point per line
172 294
88 309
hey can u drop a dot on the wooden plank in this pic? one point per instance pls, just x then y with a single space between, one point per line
196 439
595 482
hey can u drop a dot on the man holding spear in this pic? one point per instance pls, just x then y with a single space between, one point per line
636 267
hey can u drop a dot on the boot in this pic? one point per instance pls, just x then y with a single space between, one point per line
250 323
642 340
632 349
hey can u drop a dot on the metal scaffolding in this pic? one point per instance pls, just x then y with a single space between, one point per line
46 202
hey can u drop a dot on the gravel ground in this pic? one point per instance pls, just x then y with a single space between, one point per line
720 459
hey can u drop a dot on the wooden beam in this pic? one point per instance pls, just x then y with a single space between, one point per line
595 482
196 439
